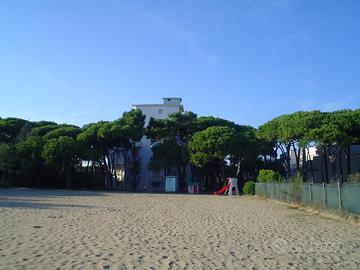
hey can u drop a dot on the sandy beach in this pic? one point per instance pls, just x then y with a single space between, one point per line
47 229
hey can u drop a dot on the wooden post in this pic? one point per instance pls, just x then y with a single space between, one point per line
339 193
310 193
324 194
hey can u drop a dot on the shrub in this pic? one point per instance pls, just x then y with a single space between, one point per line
268 176
354 178
296 182
249 188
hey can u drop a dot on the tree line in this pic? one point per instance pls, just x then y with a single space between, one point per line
208 149
47 154
332 133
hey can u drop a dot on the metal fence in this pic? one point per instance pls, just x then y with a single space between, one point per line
338 196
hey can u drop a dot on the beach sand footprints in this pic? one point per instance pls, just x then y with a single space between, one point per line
124 231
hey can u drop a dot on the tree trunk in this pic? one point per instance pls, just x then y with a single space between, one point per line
125 157
288 147
113 163
265 160
38 181
68 178
311 163
297 156
87 168
134 172
222 170
107 174
340 165
180 184
304 164
298 159
207 182
238 169
184 174
326 165
333 167
93 168
349 160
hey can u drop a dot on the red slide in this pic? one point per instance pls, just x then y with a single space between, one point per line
221 191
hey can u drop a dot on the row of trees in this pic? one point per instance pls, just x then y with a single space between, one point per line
332 133
212 147
49 154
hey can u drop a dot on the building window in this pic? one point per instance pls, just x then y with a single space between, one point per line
160 111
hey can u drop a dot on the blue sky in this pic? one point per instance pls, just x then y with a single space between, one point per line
245 60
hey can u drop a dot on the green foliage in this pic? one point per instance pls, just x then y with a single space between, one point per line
7 161
183 125
205 122
42 130
249 188
44 123
214 143
290 127
29 151
268 176
60 153
10 128
63 130
31 147
168 154
158 129
132 124
39 149
89 134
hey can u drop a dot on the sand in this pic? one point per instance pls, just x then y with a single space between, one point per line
47 229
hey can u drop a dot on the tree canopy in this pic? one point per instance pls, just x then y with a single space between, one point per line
44 153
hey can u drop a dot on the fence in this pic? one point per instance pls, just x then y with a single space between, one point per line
338 196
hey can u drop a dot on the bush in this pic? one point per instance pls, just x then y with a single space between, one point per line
296 182
249 188
354 178
268 176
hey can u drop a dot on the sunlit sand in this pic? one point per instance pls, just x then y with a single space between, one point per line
42 229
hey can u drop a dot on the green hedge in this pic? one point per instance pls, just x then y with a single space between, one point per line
249 188
268 176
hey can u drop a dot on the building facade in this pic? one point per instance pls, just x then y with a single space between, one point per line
148 180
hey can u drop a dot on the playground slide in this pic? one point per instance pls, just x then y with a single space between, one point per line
221 191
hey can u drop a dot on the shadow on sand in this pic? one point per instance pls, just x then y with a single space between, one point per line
36 204
38 198
48 193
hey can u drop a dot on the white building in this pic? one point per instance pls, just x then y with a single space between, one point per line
148 180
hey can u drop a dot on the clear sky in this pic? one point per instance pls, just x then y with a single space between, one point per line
246 60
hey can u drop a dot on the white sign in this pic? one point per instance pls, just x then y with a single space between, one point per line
170 184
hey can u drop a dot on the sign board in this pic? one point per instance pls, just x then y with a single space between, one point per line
170 184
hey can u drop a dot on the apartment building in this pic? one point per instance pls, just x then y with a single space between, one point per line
148 180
